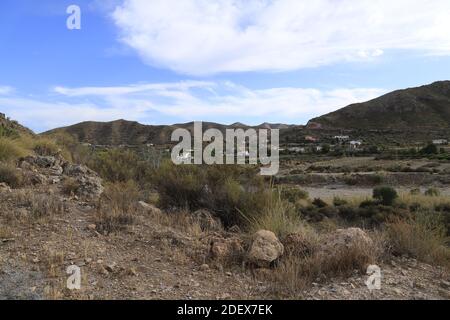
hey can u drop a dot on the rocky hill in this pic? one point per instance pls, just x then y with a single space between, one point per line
10 127
421 108
122 132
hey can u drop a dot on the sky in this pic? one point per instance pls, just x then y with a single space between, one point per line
249 61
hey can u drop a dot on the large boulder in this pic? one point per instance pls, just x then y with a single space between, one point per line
265 249
344 239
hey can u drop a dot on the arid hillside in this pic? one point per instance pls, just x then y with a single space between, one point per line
421 108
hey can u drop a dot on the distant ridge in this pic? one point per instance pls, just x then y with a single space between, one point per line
122 132
421 114
421 108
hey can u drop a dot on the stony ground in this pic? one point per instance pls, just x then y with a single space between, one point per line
151 261
154 258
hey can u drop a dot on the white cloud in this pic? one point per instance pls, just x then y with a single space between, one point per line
5 90
164 103
42 114
204 37
221 101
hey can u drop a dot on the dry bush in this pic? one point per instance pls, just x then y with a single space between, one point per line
70 186
45 206
117 207
45 147
5 232
11 150
296 272
224 190
423 237
10 175
278 216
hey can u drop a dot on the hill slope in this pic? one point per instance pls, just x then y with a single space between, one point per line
421 108
10 127
122 132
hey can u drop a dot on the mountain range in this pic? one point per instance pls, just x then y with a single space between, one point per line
422 109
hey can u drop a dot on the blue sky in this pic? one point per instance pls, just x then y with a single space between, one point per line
254 61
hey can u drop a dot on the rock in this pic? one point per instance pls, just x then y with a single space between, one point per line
265 249
445 284
207 221
110 267
92 227
4 187
74 170
204 267
89 183
227 250
35 178
343 239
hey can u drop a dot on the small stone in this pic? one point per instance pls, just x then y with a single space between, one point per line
204 267
110 267
92 227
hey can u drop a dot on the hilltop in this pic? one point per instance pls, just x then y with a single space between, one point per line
422 108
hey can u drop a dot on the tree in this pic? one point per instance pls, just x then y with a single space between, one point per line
386 195
430 149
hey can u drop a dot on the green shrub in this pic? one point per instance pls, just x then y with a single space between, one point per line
45 147
230 192
319 203
10 175
386 195
432 192
337 202
293 194
116 165
430 149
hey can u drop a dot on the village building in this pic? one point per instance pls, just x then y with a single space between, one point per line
440 142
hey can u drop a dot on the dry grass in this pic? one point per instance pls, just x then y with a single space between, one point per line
117 207
279 216
70 186
425 202
423 238
295 273
44 206
10 175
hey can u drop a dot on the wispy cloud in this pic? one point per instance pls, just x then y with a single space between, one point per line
224 102
5 90
205 37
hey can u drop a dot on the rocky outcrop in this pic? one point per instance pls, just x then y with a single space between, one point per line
265 249
55 169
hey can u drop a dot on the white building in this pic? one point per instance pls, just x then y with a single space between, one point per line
355 144
342 138
440 142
